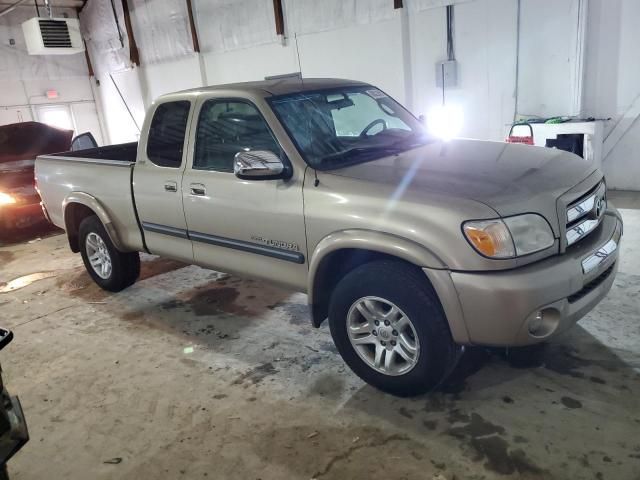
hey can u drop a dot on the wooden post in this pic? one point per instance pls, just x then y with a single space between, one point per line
86 56
192 26
133 48
277 10
86 50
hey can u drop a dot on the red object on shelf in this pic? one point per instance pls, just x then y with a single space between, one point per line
524 139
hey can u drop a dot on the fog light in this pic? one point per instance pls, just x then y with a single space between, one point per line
535 324
544 322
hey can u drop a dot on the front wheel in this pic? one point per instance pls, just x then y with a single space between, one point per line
110 268
387 324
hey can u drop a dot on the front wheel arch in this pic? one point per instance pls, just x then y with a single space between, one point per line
334 267
402 286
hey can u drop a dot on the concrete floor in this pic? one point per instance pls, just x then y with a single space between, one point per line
195 374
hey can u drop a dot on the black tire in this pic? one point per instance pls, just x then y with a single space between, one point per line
125 266
407 288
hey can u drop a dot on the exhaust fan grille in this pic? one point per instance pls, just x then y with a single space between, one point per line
55 33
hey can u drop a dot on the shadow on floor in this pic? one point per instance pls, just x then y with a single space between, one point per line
499 404
40 230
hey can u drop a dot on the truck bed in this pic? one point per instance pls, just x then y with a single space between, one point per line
124 152
104 174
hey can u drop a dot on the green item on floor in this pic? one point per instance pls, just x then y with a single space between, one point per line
554 120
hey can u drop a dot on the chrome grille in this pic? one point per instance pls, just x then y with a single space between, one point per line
585 214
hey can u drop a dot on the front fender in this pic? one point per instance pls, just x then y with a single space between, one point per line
94 205
373 241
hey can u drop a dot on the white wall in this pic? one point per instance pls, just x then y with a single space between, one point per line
122 116
548 44
398 49
485 32
359 39
172 76
24 79
251 63
368 52
612 83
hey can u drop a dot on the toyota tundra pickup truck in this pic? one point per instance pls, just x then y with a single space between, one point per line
412 247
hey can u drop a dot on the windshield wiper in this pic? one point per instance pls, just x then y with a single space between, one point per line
411 141
354 151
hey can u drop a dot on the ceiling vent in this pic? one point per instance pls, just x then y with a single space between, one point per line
52 36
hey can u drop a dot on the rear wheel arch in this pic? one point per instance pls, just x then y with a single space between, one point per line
110 268
74 213
338 254
76 208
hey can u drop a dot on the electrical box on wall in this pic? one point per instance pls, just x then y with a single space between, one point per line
53 36
447 74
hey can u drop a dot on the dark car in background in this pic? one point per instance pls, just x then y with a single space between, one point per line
20 144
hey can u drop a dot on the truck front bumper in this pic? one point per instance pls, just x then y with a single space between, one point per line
533 303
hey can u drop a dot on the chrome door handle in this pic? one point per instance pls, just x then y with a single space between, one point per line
171 187
198 189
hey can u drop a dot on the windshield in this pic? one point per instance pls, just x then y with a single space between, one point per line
338 127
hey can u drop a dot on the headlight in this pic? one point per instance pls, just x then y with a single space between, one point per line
509 237
6 199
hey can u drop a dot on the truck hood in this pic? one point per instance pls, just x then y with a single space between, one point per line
509 178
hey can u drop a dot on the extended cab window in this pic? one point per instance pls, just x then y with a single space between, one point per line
226 127
166 135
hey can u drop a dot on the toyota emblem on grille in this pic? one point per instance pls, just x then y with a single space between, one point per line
600 206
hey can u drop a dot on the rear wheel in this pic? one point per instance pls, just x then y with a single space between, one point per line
387 324
110 268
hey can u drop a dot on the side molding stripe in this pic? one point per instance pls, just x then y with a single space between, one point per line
265 250
273 252
171 231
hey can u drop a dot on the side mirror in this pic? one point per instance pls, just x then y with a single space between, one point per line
259 165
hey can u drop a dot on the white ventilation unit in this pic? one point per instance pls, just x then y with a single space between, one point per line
53 36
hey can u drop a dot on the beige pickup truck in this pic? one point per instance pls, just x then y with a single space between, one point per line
412 247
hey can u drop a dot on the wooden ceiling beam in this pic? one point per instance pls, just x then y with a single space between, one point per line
279 14
133 47
192 25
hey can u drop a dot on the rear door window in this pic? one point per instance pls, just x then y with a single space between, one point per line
166 134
